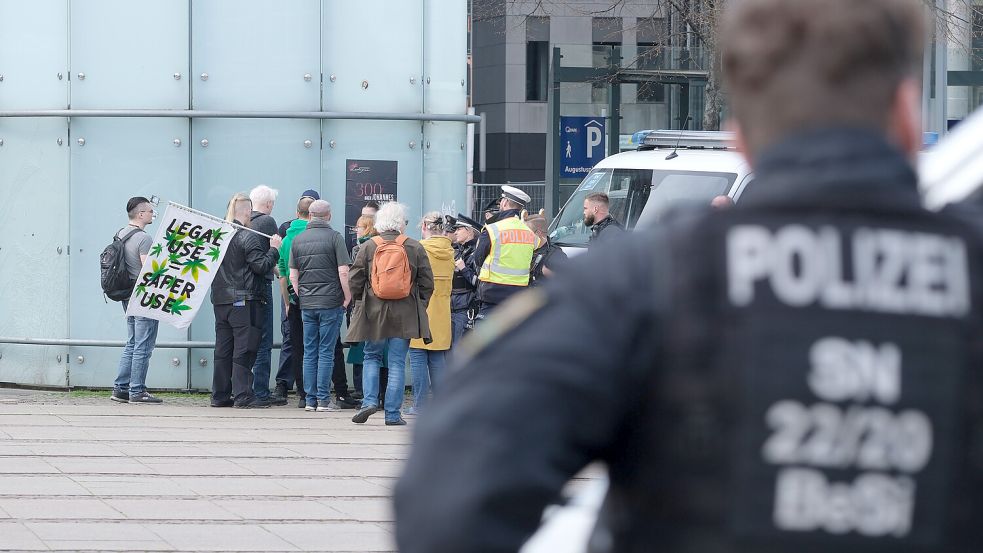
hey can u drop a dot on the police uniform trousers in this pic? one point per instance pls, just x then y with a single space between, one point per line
238 331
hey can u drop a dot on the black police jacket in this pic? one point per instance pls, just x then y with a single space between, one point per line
465 281
242 274
798 374
606 229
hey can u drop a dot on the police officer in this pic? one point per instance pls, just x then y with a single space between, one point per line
798 373
465 281
504 252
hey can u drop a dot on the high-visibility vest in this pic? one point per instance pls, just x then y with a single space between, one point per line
512 244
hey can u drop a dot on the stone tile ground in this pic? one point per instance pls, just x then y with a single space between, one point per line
80 473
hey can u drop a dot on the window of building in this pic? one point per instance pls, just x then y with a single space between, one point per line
651 55
606 32
537 70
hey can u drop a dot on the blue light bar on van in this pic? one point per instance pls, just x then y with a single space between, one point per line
638 138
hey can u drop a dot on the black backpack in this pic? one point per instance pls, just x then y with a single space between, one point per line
116 282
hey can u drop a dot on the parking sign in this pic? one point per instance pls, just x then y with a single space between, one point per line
582 145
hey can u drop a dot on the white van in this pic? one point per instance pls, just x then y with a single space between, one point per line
669 168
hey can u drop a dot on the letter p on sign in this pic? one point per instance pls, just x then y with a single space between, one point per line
593 139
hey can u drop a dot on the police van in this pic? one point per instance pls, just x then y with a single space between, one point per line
669 168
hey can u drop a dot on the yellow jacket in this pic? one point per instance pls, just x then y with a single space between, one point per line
441 256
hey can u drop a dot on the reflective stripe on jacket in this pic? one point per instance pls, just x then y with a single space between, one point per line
512 245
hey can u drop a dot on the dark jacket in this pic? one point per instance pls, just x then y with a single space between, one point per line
244 268
606 229
267 225
548 256
681 360
465 281
375 319
317 253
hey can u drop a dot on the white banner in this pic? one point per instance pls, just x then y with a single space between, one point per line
186 254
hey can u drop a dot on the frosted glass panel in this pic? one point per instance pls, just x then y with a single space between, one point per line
444 172
256 54
33 51
134 66
120 158
445 57
241 154
34 253
375 55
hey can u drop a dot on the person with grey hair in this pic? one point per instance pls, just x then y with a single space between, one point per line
319 273
381 322
263 198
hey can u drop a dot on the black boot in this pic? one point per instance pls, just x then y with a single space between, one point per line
279 396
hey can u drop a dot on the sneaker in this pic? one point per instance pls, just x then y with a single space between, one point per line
312 407
347 402
363 414
265 402
412 412
329 407
144 397
224 403
279 396
397 422
120 396
358 396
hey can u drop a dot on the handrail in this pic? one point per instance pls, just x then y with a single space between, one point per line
226 114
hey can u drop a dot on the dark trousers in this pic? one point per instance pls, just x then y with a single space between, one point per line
297 345
285 372
238 331
339 377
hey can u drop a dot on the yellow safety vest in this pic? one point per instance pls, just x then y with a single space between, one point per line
512 244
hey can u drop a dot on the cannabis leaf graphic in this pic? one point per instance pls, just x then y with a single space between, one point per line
174 258
198 242
214 253
158 269
218 234
155 251
178 306
141 289
194 265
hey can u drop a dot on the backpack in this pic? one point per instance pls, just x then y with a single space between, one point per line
113 276
391 269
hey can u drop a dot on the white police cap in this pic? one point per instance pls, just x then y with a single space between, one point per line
516 195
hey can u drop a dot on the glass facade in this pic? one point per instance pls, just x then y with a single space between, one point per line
65 180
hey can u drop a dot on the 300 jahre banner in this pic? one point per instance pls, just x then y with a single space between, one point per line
186 254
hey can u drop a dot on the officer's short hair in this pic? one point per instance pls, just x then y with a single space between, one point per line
133 206
811 63
599 198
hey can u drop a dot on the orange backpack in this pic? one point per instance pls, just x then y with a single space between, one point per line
391 269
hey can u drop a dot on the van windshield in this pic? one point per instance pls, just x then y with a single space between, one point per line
629 191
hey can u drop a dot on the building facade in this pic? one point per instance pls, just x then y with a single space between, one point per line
335 81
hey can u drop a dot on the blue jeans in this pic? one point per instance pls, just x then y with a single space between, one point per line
141 336
261 368
397 375
321 328
426 368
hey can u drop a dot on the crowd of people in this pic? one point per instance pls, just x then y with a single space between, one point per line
401 298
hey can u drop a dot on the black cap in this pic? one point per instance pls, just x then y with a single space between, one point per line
311 194
465 221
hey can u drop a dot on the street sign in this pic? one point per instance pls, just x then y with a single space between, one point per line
582 145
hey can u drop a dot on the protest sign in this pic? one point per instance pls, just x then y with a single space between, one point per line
186 254
366 180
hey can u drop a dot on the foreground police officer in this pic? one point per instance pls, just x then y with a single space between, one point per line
504 252
796 374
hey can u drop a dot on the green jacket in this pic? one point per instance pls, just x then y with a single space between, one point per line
296 227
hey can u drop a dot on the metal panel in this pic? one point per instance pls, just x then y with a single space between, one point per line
256 54
445 61
444 167
33 53
129 54
386 73
113 160
240 154
34 248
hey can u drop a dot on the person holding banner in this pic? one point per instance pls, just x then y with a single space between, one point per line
237 296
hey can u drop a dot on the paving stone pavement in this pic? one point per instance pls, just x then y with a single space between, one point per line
86 474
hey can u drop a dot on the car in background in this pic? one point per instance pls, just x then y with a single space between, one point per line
670 169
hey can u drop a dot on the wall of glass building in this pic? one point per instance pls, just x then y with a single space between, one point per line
65 180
